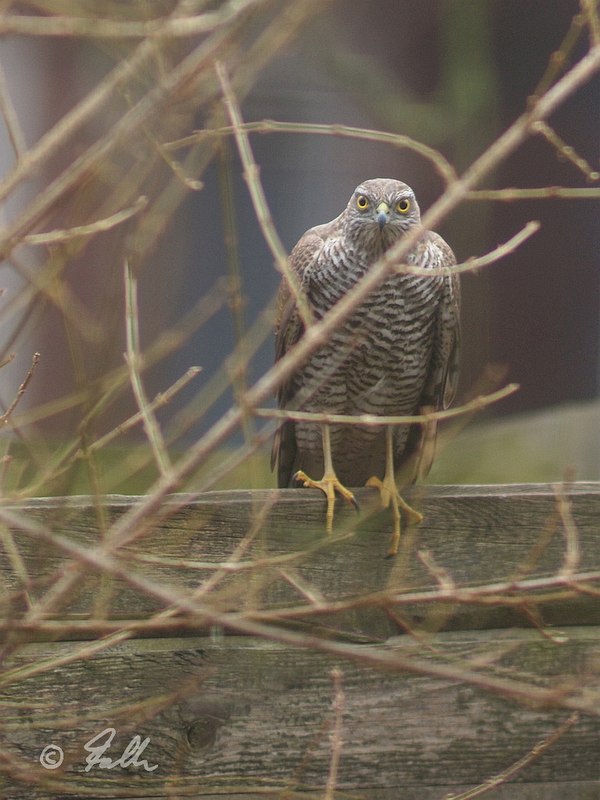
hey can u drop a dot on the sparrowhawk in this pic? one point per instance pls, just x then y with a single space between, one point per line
397 354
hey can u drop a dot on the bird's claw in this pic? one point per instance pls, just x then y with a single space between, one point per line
329 485
390 495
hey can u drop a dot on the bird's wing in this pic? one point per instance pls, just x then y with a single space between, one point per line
288 329
442 378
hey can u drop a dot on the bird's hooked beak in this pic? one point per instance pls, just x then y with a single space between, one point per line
383 214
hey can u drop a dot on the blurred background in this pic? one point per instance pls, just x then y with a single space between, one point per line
451 74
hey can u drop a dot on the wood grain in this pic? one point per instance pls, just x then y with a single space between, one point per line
238 716
242 715
478 534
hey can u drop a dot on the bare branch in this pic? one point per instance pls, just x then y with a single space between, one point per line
441 575
590 9
75 452
101 225
339 702
310 593
160 400
475 263
535 752
9 358
441 165
559 59
98 28
565 150
134 362
259 201
513 193
21 390
130 123
372 420
572 556
64 130
13 126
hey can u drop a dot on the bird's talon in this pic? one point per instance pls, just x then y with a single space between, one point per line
329 485
390 495
414 515
384 491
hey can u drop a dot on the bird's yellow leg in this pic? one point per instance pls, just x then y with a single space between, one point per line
329 483
390 494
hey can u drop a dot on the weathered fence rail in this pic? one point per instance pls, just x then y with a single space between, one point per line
458 657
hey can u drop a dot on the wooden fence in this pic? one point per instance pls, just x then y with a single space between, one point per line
305 666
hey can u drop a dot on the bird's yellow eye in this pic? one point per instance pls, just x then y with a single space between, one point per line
362 202
403 206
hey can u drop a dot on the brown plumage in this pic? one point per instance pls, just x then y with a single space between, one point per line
396 354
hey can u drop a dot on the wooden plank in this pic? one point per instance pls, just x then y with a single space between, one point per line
238 716
478 534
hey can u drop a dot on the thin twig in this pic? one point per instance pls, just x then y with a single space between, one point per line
160 400
267 126
125 127
61 133
22 389
511 594
239 373
512 193
257 525
372 420
559 59
565 150
13 126
15 559
475 263
572 557
101 225
440 574
115 380
98 28
532 613
259 201
338 705
40 666
535 752
310 593
9 358
501 251
590 9
133 359
5 463
193 184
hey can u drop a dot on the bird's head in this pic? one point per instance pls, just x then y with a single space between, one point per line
380 211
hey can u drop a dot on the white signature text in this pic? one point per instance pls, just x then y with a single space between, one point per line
130 757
